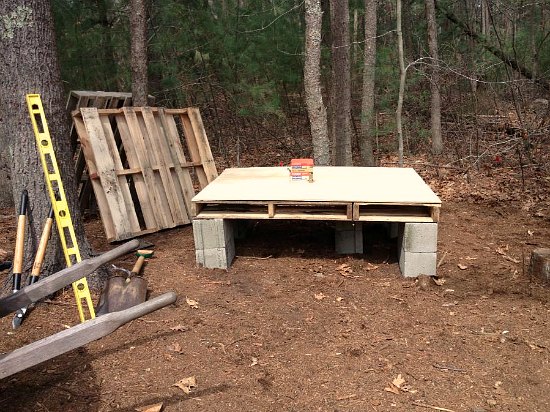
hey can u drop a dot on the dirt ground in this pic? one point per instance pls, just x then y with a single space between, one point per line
293 327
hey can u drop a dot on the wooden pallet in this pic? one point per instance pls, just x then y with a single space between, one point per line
144 165
274 210
100 100
337 193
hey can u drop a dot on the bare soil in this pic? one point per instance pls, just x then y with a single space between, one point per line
293 327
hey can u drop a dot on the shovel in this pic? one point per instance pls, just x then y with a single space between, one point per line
124 292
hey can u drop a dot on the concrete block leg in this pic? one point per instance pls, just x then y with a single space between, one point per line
348 237
214 243
417 249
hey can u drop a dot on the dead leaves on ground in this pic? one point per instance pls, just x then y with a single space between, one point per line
187 384
398 385
192 303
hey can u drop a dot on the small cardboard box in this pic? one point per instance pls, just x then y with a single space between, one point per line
301 169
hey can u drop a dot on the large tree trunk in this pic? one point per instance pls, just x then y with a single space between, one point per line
340 84
138 29
369 68
312 84
402 77
437 142
28 64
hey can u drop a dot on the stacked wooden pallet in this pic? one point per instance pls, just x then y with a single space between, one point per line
337 193
144 165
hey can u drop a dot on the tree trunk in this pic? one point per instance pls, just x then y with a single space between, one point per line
138 29
402 76
369 68
437 143
28 59
341 93
312 83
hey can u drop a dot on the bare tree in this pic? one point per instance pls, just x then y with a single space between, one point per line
340 84
312 83
437 143
369 66
402 77
138 29
28 64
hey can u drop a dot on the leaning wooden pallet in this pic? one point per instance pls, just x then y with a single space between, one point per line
142 162
101 100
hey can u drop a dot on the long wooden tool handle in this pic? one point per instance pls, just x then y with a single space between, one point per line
20 241
137 267
81 334
56 281
41 251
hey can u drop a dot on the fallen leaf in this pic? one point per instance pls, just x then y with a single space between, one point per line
391 388
179 328
345 268
193 303
462 267
320 296
254 361
186 384
175 347
398 381
157 407
439 281
370 266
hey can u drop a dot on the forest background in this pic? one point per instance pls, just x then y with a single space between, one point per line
242 63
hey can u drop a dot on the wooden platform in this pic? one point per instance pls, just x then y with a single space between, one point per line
337 193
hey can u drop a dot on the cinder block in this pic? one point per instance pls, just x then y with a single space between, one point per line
413 264
212 233
418 237
216 258
348 237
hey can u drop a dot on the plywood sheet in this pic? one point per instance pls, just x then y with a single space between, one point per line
401 186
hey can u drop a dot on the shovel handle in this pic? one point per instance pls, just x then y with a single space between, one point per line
41 251
137 267
20 241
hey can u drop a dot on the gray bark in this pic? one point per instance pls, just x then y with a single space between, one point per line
369 68
402 77
437 142
29 64
340 84
312 84
138 28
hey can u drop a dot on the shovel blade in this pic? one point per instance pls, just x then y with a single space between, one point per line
122 293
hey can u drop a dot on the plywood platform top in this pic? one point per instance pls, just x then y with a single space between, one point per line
331 184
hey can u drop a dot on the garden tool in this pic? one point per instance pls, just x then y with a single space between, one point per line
37 266
20 242
123 292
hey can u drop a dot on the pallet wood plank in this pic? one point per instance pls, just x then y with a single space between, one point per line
172 165
102 201
205 153
165 175
123 183
158 201
139 180
105 169
193 148
180 160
